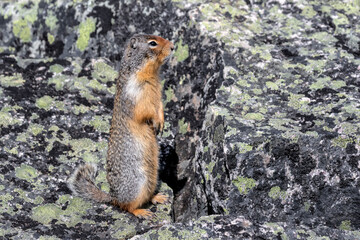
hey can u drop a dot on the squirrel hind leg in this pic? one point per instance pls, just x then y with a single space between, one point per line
146 213
132 208
82 183
142 213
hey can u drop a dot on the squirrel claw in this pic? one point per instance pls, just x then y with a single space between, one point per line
158 127
161 127
159 198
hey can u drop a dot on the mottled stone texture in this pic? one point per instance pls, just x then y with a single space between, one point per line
261 99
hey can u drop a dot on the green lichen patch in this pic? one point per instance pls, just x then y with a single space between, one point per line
341 141
38 200
219 134
63 199
82 85
280 123
169 93
78 205
272 85
76 65
46 213
299 102
50 38
307 206
244 185
78 84
122 229
242 147
183 127
320 83
34 116
12 81
59 80
6 118
209 170
206 149
103 72
309 12
44 102
47 103
210 166
94 84
90 157
254 116
218 12
348 128
277 193
71 215
100 123
13 150
85 29
26 172
337 84
56 68
24 195
6 197
263 51
323 37
196 233
22 30
83 144
83 147
277 230
345 225
35 129
80 109
182 51
5 204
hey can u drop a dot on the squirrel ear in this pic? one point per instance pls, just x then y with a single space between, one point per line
133 43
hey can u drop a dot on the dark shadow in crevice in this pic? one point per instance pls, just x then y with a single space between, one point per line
168 168
168 161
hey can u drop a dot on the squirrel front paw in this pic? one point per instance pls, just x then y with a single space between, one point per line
159 198
158 126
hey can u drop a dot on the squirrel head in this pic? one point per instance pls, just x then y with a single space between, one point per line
142 49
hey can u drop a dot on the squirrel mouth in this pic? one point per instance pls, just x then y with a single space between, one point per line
168 57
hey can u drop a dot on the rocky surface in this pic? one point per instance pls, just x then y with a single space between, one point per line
261 139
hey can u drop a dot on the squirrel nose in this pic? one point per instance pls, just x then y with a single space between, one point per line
172 46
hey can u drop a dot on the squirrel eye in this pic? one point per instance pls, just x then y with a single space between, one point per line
153 43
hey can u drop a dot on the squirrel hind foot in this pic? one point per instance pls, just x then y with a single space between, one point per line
159 198
133 209
142 213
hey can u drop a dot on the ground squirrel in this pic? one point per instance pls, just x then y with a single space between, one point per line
132 160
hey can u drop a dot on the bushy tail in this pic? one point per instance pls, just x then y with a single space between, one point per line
82 183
